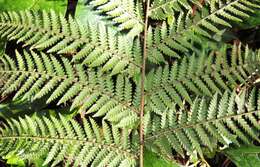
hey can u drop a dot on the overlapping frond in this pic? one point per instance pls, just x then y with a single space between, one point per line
202 75
163 9
94 45
227 119
187 32
128 14
194 102
32 76
59 139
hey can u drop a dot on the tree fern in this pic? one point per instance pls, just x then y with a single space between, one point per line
180 36
93 45
162 9
58 138
202 75
230 119
32 76
181 105
127 13
40 75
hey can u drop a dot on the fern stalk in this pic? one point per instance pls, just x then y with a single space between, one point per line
142 86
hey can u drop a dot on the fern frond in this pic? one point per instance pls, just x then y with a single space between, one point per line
33 137
128 14
226 119
202 75
32 76
94 44
188 32
163 9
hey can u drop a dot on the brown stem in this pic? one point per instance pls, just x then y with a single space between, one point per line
142 86
71 8
195 7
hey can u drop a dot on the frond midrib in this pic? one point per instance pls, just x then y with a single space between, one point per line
112 146
179 34
73 38
169 83
166 131
82 83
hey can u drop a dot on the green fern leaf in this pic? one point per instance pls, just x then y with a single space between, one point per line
93 44
58 138
126 13
58 81
188 32
190 77
164 9
195 129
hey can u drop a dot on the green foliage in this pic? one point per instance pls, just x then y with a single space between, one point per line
199 94
14 160
245 156
152 160
230 119
18 107
252 22
186 30
93 45
57 5
33 76
127 13
202 75
162 9
56 138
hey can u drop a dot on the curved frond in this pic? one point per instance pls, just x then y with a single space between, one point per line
187 32
31 138
128 14
32 76
163 9
202 75
94 45
227 119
